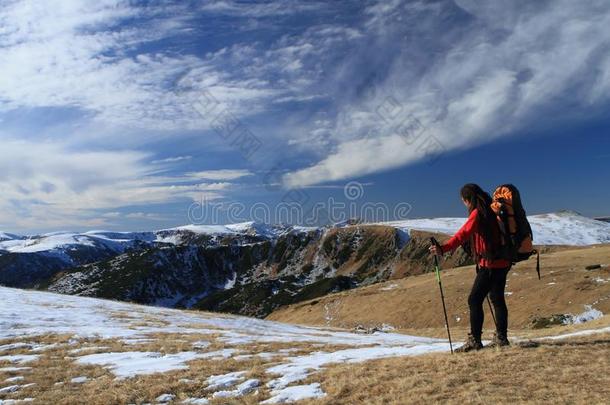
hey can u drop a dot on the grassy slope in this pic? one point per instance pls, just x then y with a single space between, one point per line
570 371
565 372
413 304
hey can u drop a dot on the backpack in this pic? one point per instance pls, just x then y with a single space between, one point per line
515 230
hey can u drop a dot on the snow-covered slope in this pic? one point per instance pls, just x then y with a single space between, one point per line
560 228
7 236
56 241
119 241
245 228
27 314
567 228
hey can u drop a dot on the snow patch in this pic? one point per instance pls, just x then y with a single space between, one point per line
165 398
14 369
130 364
201 344
14 388
242 389
15 401
264 355
20 358
218 354
295 393
300 367
225 380
589 314
10 389
586 332
86 349
13 346
195 401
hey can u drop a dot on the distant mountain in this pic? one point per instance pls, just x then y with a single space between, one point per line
247 268
249 272
558 228
29 261
7 236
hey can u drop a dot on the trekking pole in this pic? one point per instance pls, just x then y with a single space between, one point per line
493 316
440 286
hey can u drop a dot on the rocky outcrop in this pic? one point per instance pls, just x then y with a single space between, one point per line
249 273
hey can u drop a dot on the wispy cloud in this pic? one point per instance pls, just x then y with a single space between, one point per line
47 184
220 174
260 9
173 159
308 78
92 56
503 67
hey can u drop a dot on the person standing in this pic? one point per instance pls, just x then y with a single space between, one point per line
481 231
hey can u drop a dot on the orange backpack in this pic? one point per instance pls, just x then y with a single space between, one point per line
516 232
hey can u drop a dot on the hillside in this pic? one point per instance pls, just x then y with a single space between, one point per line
566 288
64 350
247 273
249 268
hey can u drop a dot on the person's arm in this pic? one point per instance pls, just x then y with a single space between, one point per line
462 235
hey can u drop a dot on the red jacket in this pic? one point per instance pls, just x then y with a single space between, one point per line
471 228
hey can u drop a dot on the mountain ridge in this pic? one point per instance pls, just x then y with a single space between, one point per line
435 224
248 268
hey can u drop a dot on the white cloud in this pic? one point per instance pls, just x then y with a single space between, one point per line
511 67
173 159
76 53
51 184
468 72
221 174
265 9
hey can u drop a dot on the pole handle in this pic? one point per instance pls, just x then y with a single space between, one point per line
436 266
438 246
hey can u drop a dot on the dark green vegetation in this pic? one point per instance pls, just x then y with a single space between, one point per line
261 298
246 274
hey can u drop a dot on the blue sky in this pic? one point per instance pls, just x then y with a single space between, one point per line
125 114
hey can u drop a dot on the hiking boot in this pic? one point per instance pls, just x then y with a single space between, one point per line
471 343
499 340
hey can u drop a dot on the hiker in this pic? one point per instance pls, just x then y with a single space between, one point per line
481 231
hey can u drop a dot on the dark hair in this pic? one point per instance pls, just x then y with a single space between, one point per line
480 200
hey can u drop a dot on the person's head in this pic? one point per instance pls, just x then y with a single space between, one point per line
474 196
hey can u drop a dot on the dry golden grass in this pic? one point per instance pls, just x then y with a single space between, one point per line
414 304
55 368
53 371
574 372
571 371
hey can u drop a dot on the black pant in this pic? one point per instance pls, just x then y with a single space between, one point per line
492 282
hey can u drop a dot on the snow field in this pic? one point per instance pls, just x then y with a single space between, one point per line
27 314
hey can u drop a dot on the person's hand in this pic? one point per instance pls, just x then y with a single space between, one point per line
435 250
